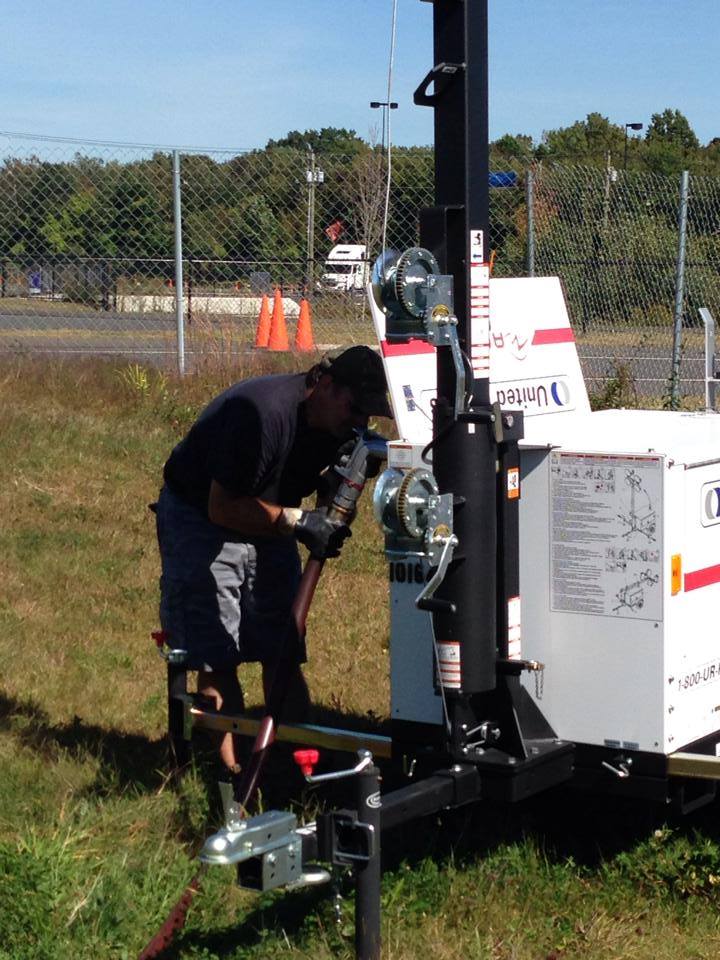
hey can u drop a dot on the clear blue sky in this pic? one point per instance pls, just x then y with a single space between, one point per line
234 73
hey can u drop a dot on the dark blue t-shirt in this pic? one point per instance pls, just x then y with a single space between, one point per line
254 441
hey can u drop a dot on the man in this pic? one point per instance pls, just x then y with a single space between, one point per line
229 517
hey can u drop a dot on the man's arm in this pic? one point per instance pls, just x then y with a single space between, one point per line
258 518
249 515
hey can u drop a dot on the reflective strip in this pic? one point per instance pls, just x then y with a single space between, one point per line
702 578
555 335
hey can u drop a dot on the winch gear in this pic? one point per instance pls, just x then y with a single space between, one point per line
416 488
412 270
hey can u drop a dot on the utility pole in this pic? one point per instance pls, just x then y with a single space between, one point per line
313 176
629 126
386 105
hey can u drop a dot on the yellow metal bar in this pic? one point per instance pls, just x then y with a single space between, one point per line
698 765
307 734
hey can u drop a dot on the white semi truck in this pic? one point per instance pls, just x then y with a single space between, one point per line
346 269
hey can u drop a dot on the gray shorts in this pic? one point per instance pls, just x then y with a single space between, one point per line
225 601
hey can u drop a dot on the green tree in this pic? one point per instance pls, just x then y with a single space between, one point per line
518 148
670 144
327 140
672 127
586 141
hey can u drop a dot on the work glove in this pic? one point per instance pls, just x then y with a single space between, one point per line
323 537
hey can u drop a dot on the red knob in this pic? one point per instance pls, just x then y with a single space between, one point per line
160 637
306 760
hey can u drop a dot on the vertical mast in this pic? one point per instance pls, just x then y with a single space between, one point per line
456 231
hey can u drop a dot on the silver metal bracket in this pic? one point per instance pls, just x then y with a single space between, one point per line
440 543
428 591
441 327
439 529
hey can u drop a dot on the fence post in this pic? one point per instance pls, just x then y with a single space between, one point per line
530 207
679 291
177 216
310 253
189 289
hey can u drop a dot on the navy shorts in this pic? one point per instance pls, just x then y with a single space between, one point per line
222 600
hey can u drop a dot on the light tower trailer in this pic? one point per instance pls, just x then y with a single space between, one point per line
554 571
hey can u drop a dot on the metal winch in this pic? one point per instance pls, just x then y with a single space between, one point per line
417 521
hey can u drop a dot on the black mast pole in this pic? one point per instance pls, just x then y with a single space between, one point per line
464 450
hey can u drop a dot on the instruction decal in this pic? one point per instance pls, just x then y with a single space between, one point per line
605 535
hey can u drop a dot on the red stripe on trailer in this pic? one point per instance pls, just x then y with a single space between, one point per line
407 349
702 578
555 335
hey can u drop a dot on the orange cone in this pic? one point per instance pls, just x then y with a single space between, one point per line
304 334
263 326
278 329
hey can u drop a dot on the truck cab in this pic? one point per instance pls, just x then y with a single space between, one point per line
346 269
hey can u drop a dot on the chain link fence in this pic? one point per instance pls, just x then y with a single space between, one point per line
634 278
89 253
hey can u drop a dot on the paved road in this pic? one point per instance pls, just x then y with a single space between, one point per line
150 338
650 367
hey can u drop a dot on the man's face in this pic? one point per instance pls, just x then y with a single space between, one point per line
335 409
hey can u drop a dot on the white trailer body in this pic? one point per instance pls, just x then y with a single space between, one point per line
619 542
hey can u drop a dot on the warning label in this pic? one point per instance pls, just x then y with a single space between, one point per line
606 545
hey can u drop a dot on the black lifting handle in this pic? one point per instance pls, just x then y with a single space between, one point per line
436 605
442 74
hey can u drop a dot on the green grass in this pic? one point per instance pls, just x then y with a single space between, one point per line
95 844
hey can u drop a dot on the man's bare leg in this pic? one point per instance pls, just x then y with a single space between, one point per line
222 687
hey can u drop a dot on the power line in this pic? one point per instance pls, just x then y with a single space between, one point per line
47 138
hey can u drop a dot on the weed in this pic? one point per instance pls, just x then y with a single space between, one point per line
135 378
668 863
619 390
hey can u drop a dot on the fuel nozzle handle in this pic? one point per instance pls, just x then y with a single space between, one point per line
351 474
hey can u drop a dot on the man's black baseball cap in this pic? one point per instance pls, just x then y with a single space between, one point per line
361 369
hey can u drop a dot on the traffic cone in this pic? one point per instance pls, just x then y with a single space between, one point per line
304 334
278 328
263 325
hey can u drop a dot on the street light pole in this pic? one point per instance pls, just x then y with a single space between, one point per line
629 126
386 105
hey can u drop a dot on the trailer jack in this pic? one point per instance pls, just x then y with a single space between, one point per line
270 850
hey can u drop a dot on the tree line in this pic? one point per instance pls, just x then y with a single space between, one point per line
250 211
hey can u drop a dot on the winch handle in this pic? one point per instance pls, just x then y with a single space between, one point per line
435 605
426 599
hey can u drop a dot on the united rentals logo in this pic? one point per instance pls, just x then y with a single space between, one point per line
710 503
513 340
560 392
541 395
